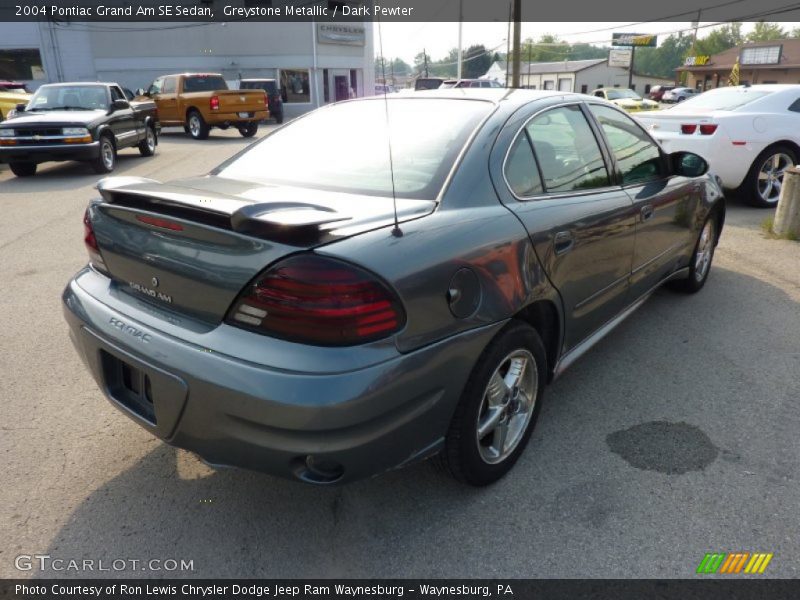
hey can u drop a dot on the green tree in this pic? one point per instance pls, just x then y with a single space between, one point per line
477 61
662 61
764 32
720 39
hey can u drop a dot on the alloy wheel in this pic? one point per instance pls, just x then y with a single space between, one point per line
770 176
507 406
705 249
108 155
151 140
194 125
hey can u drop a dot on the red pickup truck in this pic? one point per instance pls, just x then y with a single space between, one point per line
200 101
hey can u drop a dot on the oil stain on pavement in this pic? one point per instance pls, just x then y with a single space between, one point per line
671 448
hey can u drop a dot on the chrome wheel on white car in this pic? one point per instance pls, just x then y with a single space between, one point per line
770 176
763 183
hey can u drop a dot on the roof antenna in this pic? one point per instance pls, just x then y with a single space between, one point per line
396 232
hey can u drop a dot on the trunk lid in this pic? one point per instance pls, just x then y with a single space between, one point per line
670 121
193 245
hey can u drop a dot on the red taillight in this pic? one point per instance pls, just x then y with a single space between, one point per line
95 258
214 102
162 223
688 129
317 300
266 100
708 129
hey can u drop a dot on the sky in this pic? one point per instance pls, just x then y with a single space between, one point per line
406 40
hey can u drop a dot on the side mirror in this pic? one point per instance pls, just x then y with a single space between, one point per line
688 164
20 107
120 105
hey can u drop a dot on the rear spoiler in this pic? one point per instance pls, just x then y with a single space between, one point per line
269 220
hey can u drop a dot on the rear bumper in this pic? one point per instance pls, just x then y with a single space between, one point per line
40 154
234 118
359 422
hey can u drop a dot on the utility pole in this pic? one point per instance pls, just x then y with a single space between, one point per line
630 70
460 31
425 60
684 75
530 48
508 43
517 36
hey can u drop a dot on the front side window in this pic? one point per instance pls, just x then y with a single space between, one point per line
170 85
295 87
567 151
155 87
638 158
345 147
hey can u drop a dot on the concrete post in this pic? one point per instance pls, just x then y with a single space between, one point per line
787 217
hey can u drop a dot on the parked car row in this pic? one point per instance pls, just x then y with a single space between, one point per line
91 122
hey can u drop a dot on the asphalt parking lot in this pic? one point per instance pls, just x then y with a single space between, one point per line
675 436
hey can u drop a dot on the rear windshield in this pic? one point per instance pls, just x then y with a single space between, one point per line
724 99
204 83
345 147
427 84
268 86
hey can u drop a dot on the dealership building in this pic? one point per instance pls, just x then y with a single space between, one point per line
316 63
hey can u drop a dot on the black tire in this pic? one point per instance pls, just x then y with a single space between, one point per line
464 454
699 268
750 188
23 169
249 130
107 159
147 147
196 125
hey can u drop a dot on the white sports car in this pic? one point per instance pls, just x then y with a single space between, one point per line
749 135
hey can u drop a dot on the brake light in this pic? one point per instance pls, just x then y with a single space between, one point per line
95 258
162 223
320 301
214 102
708 129
266 100
688 129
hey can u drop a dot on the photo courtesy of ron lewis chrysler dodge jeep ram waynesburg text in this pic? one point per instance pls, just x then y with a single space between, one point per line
315 310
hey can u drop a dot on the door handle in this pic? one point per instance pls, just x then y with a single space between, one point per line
563 242
647 212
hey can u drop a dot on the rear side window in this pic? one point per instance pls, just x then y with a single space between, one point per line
204 83
521 171
638 158
567 151
795 106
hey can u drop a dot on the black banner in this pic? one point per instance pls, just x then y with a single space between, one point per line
390 10
734 588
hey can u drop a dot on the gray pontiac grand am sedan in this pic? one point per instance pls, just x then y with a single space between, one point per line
385 279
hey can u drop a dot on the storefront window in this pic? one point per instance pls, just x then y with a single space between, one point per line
21 64
295 86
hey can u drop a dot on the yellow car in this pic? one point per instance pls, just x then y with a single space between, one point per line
11 94
626 99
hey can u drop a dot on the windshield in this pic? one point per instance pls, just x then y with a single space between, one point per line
724 99
345 147
69 97
621 94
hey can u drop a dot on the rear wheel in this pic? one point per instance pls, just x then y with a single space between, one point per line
499 407
763 183
197 126
23 169
249 130
147 147
107 160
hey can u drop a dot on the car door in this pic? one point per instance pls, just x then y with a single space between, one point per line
580 223
121 120
663 202
167 99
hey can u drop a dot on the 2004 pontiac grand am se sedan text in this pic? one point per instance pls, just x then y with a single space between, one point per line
279 315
